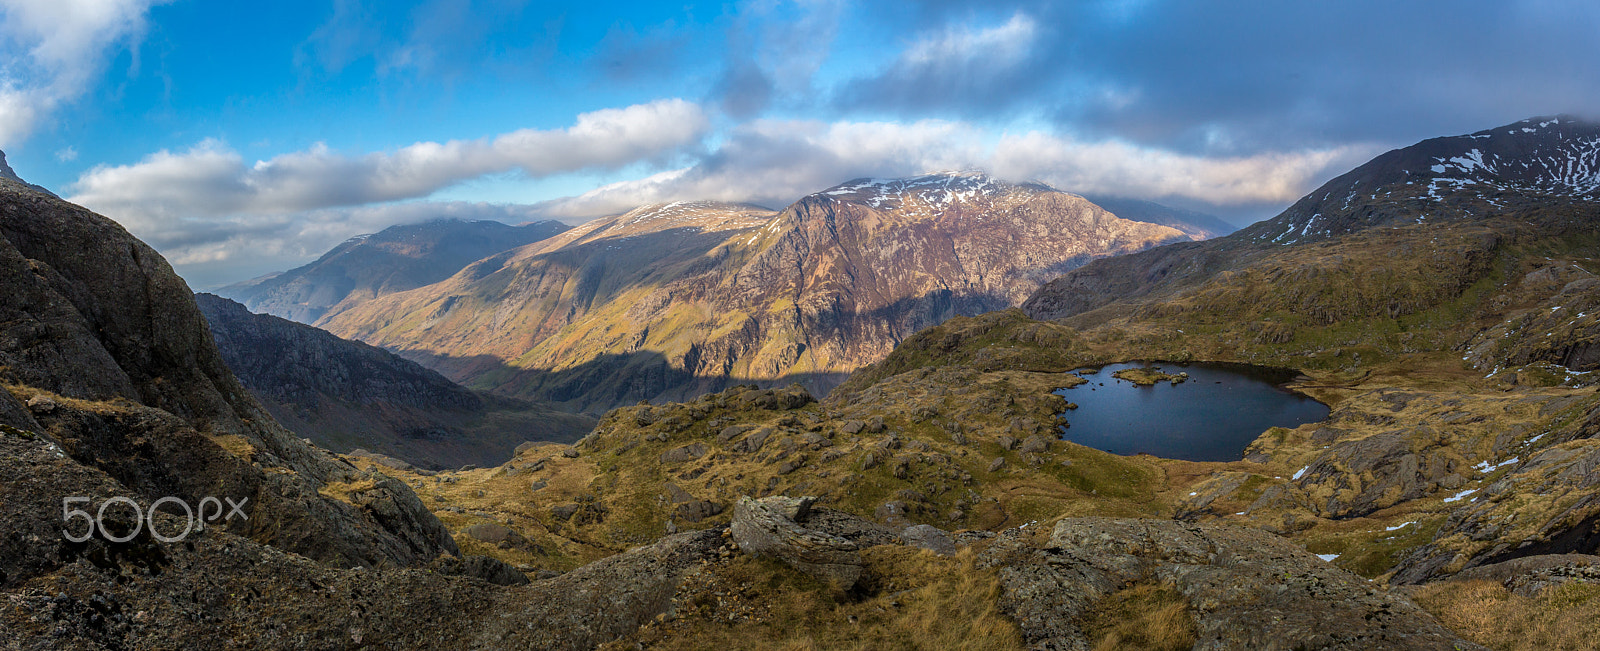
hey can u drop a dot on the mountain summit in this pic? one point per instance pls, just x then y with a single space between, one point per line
1454 177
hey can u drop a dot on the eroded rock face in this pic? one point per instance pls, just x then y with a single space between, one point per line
1246 589
768 528
1548 504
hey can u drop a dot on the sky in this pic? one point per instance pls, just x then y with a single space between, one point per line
243 138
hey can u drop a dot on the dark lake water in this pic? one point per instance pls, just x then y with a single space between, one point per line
1211 417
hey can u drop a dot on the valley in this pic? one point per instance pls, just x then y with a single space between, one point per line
1444 313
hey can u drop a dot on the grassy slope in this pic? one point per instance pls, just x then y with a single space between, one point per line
1366 318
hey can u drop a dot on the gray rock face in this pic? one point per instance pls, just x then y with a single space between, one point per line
930 538
1246 588
88 312
767 528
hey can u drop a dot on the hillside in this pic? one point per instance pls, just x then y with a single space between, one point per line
345 395
395 259
1452 467
941 491
670 301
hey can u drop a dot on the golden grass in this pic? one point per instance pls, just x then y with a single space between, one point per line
919 601
1146 616
342 490
1557 619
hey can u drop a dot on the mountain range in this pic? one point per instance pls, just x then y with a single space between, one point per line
670 301
1441 300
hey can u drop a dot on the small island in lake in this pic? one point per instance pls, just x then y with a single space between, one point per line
1148 376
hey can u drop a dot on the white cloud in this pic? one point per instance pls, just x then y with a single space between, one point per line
54 49
773 162
211 180
1119 168
1001 46
67 154
207 206
776 162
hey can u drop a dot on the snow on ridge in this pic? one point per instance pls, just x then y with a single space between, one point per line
938 190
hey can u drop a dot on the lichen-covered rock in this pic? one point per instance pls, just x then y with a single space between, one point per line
1245 588
767 528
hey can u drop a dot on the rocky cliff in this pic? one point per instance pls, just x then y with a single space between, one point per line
106 355
674 300
345 395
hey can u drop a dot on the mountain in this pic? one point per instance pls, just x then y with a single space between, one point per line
669 301
931 487
114 387
392 260
1197 225
344 395
1540 169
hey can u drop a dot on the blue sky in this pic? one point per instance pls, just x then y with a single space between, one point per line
240 138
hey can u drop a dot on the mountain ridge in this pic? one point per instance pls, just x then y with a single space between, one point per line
395 259
809 292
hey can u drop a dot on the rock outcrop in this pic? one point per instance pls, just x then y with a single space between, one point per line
770 528
107 343
1244 588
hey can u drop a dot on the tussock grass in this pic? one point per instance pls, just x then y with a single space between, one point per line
917 600
1146 616
1558 619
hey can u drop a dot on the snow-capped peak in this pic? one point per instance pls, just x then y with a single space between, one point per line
937 190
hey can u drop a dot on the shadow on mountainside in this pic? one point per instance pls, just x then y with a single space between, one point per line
609 380
612 380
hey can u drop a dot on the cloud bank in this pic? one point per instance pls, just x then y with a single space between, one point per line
207 204
774 162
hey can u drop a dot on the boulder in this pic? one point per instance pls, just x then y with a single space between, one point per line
688 452
930 538
766 528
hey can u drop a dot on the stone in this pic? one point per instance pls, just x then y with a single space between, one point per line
1245 588
570 453
728 433
765 528
929 537
42 404
997 464
688 452
697 510
1007 442
1035 444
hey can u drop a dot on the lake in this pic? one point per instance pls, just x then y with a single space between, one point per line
1213 416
